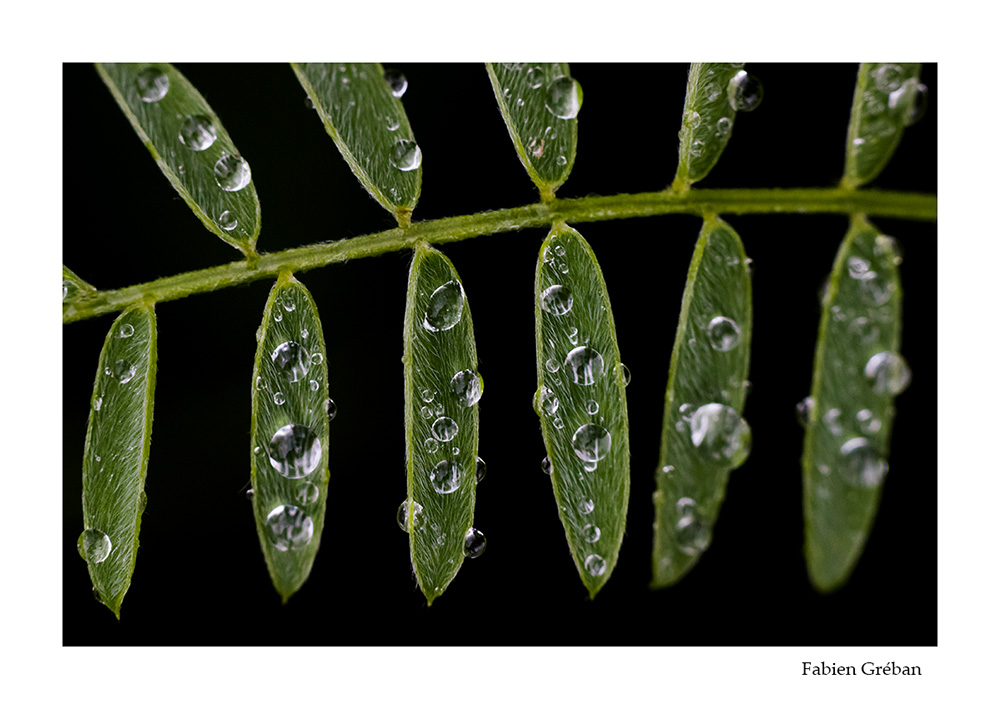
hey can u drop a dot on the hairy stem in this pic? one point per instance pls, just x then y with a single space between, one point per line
438 231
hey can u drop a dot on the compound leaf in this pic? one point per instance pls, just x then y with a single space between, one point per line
116 454
361 111
442 388
704 436
290 434
191 146
887 98
539 103
581 402
856 374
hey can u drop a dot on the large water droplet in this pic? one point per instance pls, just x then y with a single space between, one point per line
444 428
446 477
720 433
232 173
307 493
480 469
403 512
745 92
548 402
591 533
591 442
93 545
723 333
295 451
692 535
445 307
557 300
564 97
585 365
121 370
862 465
911 97
475 543
291 359
152 84
289 528
405 155
467 386
595 565
546 465
890 374
197 132
396 81
227 220
331 409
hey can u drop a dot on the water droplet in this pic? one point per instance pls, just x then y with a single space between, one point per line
406 155
557 422
723 333
535 77
668 471
391 123
427 395
197 132
557 300
331 409
98 402
862 467
467 386
831 419
585 365
313 385
93 545
552 365
547 400
564 97
261 384
859 268
475 543
805 410
720 433
912 98
121 370
867 421
887 247
291 359
228 221
446 477
249 494
307 493
426 412
593 407
309 104
403 511
257 450
697 148
152 84
288 305
546 465
890 374
591 533
444 428
232 173
591 442
278 315
396 81
585 507
692 535
685 506
289 528
574 336
279 398
745 92
595 565
723 127
295 451
561 160
445 307
625 374
888 77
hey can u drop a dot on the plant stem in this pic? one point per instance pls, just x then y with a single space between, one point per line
838 200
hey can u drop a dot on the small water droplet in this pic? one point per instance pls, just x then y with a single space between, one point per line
720 433
93 545
197 133
585 365
313 385
232 173
668 471
317 358
890 374
867 421
427 395
249 494
446 477
295 451
307 493
291 359
585 507
289 528
625 374
692 535
309 104
152 84
831 419
278 315
887 247
595 565
444 428
391 123
331 409
98 402
723 127
535 77
888 77
547 400
121 370
556 299
288 305
279 398
426 412
563 97
257 450
261 384
546 465
406 155
403 511
723 333
396 81
862 466
574 336
475 543
805 410
467 385
592 407
228 220
745 92
685 506
591 533
126 330
445 307
552 365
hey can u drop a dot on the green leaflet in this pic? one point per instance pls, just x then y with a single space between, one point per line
707 122
191 146
74 287
539 103
116 453
370 128
703 435
887 98
856 374
290 434
442 386
581 402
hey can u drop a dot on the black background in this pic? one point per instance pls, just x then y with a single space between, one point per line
200 576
